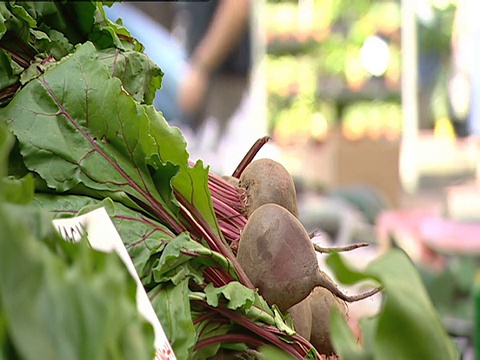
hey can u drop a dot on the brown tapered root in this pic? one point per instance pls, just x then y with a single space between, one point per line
352 298
333 249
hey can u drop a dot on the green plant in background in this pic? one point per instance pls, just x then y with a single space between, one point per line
332 53
407 325
374 119
451 291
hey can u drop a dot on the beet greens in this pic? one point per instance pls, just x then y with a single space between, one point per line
90 138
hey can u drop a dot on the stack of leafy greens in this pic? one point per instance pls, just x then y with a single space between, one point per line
76 93
60 300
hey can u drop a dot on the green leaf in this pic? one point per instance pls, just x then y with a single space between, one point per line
247 301
19 191
38 222
127 42
369 331
191 182
343 340
70 137
6 144
172 305
61 113
344 273
280 322
409 326
4 15
104 33
237 295
205 330
162 175
64 206
22 19
140 76
8 75
57 45
142 237
270 352
184 257
51 29
66 300
261 311
174 265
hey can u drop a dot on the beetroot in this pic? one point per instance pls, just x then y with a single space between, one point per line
301 314
311 318
277 255
321 302
267 182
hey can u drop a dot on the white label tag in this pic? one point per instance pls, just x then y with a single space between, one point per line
103 236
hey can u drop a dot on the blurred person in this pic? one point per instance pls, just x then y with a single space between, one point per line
213 86
218 45
207 72
223 92
162 48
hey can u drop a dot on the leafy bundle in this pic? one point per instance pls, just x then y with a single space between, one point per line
77 100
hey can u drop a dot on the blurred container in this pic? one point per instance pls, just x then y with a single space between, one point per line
339 162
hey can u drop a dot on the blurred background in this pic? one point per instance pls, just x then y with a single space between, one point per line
372 106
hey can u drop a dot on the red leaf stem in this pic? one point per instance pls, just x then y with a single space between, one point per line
262 331
20 60
231 338
221 278
212 276
221 182
216 243
230 233
9 91
250 155
205 315
224 192
300 342
226 212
